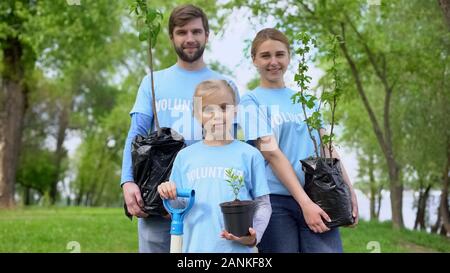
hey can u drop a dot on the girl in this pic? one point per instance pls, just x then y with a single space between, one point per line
202 167
297 224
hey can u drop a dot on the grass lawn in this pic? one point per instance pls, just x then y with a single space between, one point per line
108 230
368 236
51 230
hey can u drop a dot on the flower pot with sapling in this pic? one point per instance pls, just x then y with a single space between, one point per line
237 214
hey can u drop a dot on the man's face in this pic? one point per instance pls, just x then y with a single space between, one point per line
189 40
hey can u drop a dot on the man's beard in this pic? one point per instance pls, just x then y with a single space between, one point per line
187 58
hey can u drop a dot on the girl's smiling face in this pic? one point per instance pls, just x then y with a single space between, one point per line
217 113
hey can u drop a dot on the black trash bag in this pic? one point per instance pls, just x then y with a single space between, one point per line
152 160
325 186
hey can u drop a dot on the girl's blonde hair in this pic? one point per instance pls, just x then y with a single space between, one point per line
206 89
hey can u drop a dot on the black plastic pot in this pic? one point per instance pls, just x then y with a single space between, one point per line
238 216
325 185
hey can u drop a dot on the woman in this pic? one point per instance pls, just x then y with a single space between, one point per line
297 223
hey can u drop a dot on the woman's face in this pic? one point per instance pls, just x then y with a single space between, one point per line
271 60
218 111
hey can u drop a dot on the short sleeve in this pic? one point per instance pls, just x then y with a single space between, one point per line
143 103
253 119
176 175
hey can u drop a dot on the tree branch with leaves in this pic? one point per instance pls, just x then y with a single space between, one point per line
149 26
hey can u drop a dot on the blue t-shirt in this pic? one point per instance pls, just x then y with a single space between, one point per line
264 112
202 168
174 89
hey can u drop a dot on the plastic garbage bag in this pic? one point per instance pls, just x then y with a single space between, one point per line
152 160
325 186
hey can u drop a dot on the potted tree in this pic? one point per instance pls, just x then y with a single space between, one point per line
153 154
324 182
237 214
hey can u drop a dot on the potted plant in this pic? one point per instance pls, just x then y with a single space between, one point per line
153 154
237 214
324 182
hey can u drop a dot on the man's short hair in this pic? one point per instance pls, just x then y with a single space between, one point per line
181 15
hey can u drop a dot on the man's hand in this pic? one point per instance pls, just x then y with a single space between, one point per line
249 240
133 199
313 215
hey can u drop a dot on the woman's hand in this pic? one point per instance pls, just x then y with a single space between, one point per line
249 240
355 212
313 215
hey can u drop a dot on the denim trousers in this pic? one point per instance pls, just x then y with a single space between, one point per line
288 232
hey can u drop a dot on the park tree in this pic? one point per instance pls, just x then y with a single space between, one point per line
78 49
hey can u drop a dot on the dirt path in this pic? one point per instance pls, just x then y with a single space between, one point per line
413 248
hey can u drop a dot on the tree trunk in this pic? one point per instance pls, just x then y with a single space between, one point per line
442 222
396 204
442 96
79 197
87 201
384 138
27 196
416 222
443 207
419 223
380 198
101 179
60 152
12 110
445 6
373 215
437 224
373 188
395 185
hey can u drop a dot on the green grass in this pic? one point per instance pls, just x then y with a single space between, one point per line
108 230
51 229
366 234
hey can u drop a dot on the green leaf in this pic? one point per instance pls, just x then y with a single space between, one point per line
155 34
310 103
143 35
151 15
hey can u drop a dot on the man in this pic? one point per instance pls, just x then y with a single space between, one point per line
174 88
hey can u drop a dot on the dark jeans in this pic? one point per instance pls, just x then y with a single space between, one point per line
288 232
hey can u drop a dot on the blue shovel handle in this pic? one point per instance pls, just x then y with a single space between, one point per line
176 227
